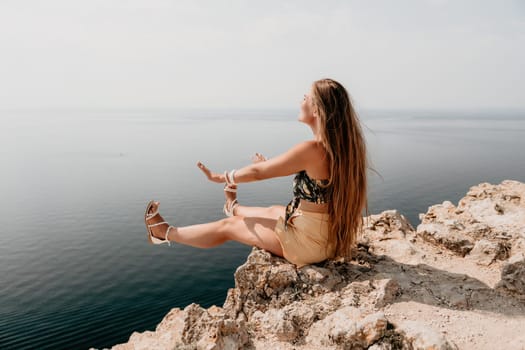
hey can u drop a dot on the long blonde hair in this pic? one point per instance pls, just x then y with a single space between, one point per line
341 134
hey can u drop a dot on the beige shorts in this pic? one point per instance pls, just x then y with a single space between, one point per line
305 239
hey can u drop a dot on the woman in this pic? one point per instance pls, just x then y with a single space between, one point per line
324 217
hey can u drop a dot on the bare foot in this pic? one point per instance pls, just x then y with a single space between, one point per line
158 231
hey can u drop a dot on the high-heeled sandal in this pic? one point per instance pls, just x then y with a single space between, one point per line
152 239
228 209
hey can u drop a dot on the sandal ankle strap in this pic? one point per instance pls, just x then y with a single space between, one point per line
149 216
228 209
166 236
157 224
228 188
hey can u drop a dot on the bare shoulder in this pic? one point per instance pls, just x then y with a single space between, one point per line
310 146
315 148
309 149
317 160
312 150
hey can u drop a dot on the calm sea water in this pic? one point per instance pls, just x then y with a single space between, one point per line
76 269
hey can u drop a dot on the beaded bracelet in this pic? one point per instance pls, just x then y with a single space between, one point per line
230 178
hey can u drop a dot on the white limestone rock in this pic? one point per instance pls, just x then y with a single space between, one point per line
349 328
418 336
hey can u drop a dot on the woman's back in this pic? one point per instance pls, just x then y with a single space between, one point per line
317 166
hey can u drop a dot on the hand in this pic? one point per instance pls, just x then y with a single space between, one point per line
257 158
218 178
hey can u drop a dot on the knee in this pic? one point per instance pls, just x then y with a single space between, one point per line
229 224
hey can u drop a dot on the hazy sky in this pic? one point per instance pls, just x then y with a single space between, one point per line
260 54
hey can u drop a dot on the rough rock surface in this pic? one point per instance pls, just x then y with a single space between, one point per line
455 282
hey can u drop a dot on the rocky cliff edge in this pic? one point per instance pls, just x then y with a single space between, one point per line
457 281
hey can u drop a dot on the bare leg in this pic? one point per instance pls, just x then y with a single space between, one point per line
253 231
272 212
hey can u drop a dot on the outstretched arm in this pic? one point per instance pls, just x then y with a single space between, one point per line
292 161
